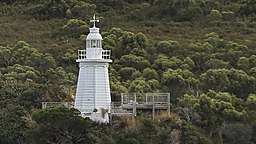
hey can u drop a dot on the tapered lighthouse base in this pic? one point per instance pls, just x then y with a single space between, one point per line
93 90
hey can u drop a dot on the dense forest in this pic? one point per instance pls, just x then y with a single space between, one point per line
203 52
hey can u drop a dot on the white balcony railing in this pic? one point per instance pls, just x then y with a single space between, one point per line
81 54
105 54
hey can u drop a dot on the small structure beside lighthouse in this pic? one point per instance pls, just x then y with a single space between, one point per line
92 97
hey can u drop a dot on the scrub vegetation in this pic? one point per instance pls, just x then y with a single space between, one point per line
203 52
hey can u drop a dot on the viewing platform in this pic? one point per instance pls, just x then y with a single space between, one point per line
130 103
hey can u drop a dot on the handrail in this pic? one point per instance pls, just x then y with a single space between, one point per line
105 54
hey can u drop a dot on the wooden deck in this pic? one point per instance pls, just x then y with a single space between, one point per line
129 104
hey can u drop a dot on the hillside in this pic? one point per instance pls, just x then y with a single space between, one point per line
203 52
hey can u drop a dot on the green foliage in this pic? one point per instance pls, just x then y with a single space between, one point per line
137 62
81 9
233 81
193 135
75 28
61 8
13 124
167 47
185 47
124 43
178 81
150 74
139 85
126 73
23 54
61 125
251 101
215 79
237 133
247 7
19 72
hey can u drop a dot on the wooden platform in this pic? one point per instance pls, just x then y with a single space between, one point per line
129 104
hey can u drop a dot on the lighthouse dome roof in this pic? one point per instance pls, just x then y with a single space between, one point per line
94 34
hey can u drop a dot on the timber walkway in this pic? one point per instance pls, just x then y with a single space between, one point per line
129 105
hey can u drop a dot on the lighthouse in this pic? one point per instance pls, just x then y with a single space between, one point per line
92 97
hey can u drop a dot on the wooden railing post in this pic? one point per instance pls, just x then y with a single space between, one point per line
133 109
122 100
169 103
111 113
153 111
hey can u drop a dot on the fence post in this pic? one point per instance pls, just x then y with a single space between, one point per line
169 103
153 111
44 105
111 112
122 100
133 109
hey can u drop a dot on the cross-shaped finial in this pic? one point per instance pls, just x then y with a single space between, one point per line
94 20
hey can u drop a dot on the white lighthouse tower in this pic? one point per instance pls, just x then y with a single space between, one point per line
93 91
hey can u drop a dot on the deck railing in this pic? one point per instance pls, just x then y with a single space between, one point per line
105 54
129 104
81 54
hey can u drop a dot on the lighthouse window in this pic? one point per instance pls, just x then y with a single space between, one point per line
98 43
94 43
87 43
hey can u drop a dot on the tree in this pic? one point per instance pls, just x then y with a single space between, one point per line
189 64
154 85
59 76
216 64
217 107
81 9
11 91
251 105
162 63
126 73
13 125
191 134
215 79
168 47
19 72
124 42
188 11
137 62
139 85
252 61
139 52
251 102
240 83
24 54
186 108
75 28
248 7
234 133
61 125
150 74
214 40
200 53
5 56
243 64
52 8
178 81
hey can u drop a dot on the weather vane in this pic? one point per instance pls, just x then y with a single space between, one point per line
94 20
